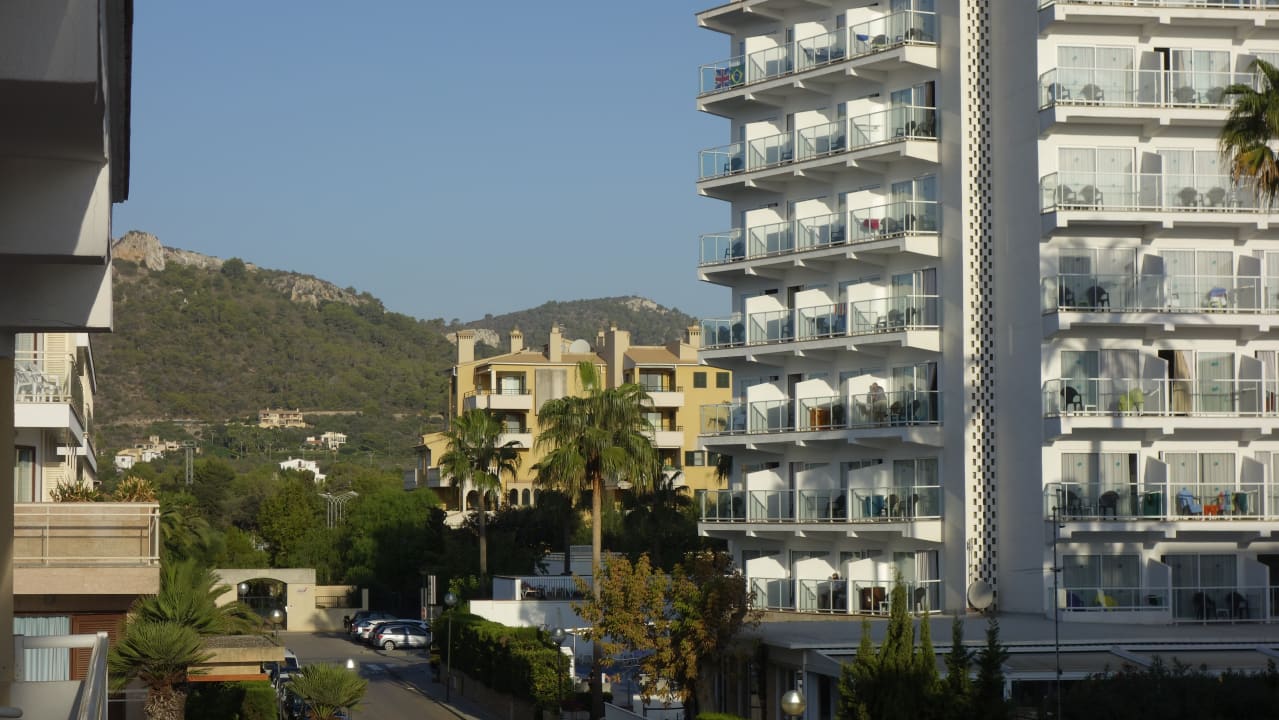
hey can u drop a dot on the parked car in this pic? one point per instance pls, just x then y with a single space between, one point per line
290 667
391 635
363 619
377 625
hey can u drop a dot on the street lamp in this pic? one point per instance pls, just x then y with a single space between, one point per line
449 601
793 703
557 634
276 618
244 589
352 667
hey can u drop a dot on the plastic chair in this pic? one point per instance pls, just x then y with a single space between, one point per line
1109 500
1188 197
1071 399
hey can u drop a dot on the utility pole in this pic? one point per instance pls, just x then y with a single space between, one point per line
337 505
188 448
1057 600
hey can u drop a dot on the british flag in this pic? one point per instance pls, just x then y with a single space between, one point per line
724 77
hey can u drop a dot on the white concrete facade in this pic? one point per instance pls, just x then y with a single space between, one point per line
985 261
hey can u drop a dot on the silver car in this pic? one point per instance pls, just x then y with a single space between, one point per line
391 635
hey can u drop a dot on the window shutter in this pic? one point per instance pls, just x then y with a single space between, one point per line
90 625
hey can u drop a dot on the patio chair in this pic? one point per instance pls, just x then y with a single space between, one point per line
1188 197
919 599
1238 606
1109 501
1205 607
1092 195
1185 95
1071 399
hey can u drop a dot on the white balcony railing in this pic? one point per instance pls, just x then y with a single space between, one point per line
896 124
1137 192
863 225
839 596
1138 88
92 534
73 699
1160 293
834 320
1188 4
908 27
859 411
876 504
1161 397
1162 501
42 377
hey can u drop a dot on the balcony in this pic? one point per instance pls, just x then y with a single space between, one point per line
1243 17
1160 407
47 392
1151 99
842 597
869 140
1162 303
514 398
872 233
86 548
1159 201
72 699
1206 504
862 325
522 438
906 416
662 393
668 438
814 64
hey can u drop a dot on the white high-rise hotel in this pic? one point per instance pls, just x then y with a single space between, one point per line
985 263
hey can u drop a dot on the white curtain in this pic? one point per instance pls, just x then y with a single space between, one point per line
1183 470
1120 571
1217 469
45 663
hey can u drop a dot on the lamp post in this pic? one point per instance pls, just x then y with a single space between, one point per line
793 702
1057 599
353 667
449 601
276 618
557 634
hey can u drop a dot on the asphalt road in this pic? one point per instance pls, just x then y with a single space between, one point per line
400 684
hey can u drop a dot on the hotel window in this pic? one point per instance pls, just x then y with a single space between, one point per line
1100 483
1101 581
723 380
699 379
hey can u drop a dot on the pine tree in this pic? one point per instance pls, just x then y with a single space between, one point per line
988 700
958 687
857 680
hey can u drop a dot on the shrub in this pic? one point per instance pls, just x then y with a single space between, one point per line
134 489
75 492
249 700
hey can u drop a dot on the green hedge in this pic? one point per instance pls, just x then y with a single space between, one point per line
249 700
521 662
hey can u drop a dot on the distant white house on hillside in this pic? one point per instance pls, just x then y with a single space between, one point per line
300 464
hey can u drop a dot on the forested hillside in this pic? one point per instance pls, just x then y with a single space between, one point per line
648 322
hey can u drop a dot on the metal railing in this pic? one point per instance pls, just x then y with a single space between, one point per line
1160 293
827 505
867 224
43 377
1160 397
1159 501
520 390
1138 88
1188 4
547 588
868 410
909 27
86 534
1220 603
895 124
723 332
862 317
1134 192
1117 598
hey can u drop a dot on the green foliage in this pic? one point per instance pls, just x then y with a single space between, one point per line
234 269
248 700
475 459
159 654
1176 692
75 492
718 716
648 323
988 691
1248 135
958 687
328 688
897 681
189 597
517 661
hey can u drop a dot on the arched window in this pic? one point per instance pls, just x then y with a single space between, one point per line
513 497
536 494
526 494
472 500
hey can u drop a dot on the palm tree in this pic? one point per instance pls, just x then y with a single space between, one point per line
328 689
1253 124
602 433
164 633
474 457
159 654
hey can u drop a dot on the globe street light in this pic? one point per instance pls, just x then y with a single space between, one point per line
276 618
244 589
793 703
351 666
449 601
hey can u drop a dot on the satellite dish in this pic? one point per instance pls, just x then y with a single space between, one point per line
980 594
579 347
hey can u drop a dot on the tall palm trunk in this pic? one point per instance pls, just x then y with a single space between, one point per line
597 542
484 540
165 703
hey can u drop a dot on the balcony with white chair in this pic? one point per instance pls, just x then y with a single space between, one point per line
1156 201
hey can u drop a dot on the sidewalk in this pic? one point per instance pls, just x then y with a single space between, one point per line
459 705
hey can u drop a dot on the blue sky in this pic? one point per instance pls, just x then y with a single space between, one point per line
453 159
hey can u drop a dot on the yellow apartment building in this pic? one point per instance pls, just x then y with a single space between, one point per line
514 384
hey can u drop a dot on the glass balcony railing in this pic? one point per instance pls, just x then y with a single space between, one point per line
908 27
1160 293
867 224
42 377
773 593
1160 501
1137 88
1134 192
895 313
898 312
1193 4
898 123
1219 603
1118 598
895 124
870 410
723 332
827 505
1160 397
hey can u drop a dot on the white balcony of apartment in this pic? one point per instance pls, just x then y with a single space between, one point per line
89 548
842 597
876 418
36 696
1160 406
502 398
668 436
660 385
888 511
1158 201
814 64
1244 17
1163 304
518 434
774 160
1151 99
870 325
48 393
873 233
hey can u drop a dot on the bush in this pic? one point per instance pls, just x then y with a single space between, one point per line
249 700
717 716
521 662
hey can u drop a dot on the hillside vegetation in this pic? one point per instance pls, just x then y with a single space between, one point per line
211 341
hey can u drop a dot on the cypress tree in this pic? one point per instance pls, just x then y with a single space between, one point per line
958 687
